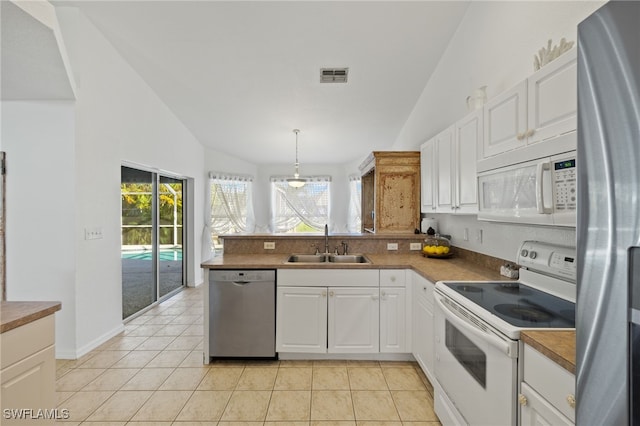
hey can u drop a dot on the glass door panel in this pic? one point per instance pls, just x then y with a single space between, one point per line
138 270
170 271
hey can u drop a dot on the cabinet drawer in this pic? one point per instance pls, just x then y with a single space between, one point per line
329 278
393 277
26 340
550 380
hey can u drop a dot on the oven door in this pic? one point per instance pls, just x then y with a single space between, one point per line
475 366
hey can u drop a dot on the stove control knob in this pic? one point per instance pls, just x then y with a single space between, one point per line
533 254
522 399
524 253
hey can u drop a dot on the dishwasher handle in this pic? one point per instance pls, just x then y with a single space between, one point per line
240 283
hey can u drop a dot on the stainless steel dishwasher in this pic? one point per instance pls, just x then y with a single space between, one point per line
242 313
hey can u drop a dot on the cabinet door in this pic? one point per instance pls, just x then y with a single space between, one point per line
552 99
467 136
29 384
354 320
428 171
505 121
444 158
393 319
301 319
423 337
537 411
397 200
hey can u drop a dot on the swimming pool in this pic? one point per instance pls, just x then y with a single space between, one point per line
165 254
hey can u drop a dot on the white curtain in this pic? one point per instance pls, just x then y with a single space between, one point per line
304 209
229 207
354 220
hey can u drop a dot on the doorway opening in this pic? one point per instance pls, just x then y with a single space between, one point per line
152 249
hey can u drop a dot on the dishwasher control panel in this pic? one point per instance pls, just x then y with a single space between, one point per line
247 275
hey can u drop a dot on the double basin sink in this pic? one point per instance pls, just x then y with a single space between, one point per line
328 258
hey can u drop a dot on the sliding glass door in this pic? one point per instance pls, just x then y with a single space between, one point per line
152 236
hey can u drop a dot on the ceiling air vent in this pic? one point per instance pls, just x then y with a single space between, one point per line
333 75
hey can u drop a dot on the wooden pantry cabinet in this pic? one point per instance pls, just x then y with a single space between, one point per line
391 192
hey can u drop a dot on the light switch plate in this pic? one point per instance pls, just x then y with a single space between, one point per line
392 246
415 246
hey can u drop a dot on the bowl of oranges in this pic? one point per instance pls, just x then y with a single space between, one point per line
435 246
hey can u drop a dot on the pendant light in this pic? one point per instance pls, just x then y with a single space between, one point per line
296 181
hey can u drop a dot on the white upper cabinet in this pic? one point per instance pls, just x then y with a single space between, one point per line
553 99
444 152
450 184
428 171
468 134
541 107
505 121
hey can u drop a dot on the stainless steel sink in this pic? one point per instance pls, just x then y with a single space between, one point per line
328 258
307 258
348 258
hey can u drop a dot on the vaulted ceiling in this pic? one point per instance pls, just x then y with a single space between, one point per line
242 75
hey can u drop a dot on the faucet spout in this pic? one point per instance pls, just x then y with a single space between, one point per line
326 239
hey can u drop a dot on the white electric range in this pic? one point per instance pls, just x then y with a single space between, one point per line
477 328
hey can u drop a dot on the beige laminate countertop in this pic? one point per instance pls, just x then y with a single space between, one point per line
16 314
559 346
456 269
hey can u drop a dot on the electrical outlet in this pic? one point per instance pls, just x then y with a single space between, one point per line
94 233
392 246
415 246
269 245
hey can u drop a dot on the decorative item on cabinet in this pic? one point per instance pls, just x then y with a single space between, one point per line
548 54
477 99
391 192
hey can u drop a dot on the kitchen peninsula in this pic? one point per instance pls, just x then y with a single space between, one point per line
27 342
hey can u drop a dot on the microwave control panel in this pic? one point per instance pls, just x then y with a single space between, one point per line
565 181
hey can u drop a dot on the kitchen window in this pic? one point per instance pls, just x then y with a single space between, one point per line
231 207
300 210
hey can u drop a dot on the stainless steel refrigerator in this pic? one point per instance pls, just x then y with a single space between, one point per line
608 230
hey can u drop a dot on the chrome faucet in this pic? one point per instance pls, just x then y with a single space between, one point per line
326 239
345 247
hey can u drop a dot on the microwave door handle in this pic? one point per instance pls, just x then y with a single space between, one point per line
460 323
541 168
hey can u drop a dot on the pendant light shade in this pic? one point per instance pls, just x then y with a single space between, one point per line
296 181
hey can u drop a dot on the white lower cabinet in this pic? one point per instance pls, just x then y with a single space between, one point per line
547 391
353 320
393 320
327 319
366 311
28 369
423 337
301 319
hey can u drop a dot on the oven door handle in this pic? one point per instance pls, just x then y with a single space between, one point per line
494 340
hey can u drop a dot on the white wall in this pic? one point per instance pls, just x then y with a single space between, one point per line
38 138
64 176
494 46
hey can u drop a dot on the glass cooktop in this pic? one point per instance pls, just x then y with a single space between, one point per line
519 304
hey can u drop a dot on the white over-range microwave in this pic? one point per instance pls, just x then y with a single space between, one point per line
535 185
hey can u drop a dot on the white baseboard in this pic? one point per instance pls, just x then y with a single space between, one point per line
357 357
91 345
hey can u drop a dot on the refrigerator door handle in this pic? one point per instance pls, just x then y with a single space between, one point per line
540 170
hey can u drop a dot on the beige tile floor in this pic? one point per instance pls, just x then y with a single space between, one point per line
152 374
